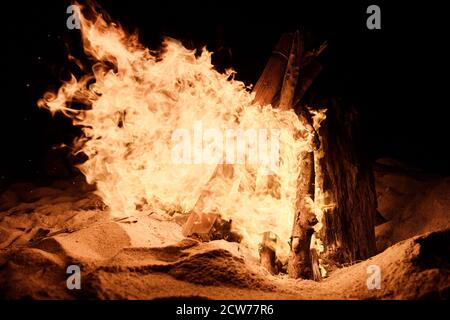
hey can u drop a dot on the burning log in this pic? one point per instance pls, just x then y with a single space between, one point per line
267 253
299 73
276 86
299 265
287 76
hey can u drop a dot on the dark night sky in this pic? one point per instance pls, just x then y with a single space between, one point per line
389 73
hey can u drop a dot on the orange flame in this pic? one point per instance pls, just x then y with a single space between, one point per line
135 100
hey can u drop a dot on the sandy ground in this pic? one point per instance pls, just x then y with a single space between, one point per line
413 203
44 230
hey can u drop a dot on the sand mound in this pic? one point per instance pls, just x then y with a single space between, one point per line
417 268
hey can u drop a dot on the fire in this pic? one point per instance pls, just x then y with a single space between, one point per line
133 102
322 200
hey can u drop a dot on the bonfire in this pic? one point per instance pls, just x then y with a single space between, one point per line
196 184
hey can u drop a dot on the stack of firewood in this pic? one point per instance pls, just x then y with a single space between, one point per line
348 228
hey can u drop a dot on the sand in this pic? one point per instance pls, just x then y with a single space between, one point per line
414 203
43 230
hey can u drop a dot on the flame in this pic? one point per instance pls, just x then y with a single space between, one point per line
322 201
133 102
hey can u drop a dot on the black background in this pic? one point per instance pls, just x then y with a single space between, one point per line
167 308
395 75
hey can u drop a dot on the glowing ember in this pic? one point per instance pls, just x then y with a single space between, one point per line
136 103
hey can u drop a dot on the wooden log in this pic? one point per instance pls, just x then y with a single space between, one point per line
348 232
299 265
309 73
277 86
287 76
291 74
268 86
